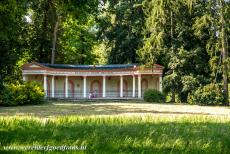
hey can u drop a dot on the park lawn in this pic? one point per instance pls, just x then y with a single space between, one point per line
117 127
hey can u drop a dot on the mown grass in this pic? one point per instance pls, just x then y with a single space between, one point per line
53 109
120 134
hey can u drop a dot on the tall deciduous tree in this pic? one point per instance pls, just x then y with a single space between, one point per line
48 28
120 26
12 43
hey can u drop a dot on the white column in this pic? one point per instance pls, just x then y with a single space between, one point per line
134 85
121 86
160 83
104 87
84 86
139 86
24 77
45 85
66 86
53 86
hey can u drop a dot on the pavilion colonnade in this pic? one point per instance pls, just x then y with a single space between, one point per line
121 92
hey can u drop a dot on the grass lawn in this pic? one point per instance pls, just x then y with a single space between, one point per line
129 127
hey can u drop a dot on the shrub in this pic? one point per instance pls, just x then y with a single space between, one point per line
210 94
22 94
152 95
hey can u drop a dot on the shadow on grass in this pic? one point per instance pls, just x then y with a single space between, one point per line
120 135
89 108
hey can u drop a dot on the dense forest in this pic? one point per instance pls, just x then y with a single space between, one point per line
189 38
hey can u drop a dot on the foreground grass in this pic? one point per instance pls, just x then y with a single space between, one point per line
120 134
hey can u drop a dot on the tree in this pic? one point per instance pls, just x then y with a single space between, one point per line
48 28
76 41
120 24
170 41
213 20
224 41
12 43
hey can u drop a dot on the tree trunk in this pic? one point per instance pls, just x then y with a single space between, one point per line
172 46
54 42
225 55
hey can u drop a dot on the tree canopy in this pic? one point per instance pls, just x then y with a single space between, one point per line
189 38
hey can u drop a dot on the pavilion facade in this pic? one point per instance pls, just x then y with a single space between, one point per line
94 81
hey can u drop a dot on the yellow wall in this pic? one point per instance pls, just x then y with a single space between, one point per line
112 83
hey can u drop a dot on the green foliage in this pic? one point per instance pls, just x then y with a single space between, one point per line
186 37
12 43
22 94
75 30
27 29
210 94
76 41
152 95
120 26
170 41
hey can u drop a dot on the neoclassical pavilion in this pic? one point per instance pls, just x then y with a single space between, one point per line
94 81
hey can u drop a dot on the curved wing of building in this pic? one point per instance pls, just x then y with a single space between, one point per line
94 81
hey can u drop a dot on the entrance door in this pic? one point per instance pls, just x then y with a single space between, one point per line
95 89
144 85
71 89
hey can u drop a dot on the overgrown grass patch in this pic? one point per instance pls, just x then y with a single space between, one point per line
120 134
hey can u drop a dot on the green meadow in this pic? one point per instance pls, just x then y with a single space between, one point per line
130 132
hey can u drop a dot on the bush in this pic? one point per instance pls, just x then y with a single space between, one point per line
152 95
210 94
22 94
